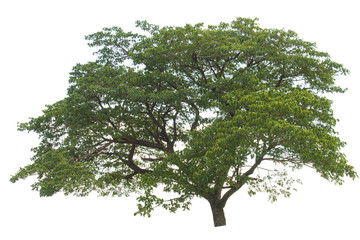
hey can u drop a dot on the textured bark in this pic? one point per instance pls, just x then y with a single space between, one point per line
217 208
218 216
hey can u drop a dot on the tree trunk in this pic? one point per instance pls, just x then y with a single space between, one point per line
218 216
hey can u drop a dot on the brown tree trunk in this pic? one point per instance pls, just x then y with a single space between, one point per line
218 216
217 208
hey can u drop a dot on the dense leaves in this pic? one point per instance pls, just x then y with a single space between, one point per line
198 111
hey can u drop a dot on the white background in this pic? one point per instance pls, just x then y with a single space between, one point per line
40 41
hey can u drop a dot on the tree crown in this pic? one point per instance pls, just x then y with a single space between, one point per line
200 111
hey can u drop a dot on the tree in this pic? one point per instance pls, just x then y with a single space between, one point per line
197 111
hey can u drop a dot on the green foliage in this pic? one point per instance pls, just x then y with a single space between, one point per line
198 111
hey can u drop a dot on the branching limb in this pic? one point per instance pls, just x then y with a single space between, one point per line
132 140
152 159
175 131
130 163
202 72
197 116
102 107
96 150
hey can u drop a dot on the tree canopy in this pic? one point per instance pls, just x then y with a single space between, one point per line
195 111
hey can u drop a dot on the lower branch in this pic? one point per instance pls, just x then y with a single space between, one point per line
228 194
96 150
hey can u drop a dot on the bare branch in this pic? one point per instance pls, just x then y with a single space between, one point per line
96 150
131 164
252 62
252 169
132 140
163 135
280 80
152 159
175 131
228 194
197 116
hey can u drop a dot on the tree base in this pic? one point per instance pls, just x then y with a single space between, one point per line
219 217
